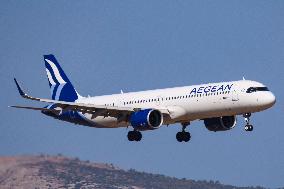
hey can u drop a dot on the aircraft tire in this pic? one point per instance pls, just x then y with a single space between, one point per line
248 128
179 137
186 136
131 136
138 136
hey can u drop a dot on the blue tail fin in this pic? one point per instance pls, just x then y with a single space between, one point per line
60 86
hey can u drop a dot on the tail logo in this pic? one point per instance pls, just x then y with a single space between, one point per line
50 79
55 72
60 86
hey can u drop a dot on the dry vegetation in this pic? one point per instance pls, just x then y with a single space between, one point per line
31 172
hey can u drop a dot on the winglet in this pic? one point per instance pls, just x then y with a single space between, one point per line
22 93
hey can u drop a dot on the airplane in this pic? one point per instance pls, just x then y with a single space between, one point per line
217 104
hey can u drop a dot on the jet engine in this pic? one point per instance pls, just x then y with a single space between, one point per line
220 123
146 119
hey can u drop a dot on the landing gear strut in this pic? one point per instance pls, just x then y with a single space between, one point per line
248 126
183 135
134 136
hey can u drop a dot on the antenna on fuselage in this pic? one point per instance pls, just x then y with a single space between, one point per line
121 91
244 78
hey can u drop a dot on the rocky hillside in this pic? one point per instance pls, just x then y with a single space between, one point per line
31 172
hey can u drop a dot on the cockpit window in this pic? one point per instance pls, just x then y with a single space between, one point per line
255 89
251 90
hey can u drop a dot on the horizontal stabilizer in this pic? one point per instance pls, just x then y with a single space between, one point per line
35 108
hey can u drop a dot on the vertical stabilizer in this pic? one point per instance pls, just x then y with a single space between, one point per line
60 86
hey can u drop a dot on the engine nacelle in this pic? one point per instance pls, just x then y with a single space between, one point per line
146 119
220 123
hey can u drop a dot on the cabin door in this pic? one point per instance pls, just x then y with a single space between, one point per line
235 96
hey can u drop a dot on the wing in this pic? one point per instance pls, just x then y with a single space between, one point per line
95 110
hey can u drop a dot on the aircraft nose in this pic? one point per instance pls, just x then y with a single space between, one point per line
272 99
269 100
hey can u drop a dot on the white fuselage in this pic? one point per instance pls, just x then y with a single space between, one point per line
189 103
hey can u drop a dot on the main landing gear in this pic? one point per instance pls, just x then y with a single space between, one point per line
134 136
183 135
248 126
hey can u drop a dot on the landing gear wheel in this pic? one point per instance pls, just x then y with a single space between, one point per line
179 137
138 136
183 136
134 136
249 128
186 136
131 136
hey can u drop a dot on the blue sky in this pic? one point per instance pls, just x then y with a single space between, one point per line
105 46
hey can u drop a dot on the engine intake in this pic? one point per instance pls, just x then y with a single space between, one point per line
220 123
146 119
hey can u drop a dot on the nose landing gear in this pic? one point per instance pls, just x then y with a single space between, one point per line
248 126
